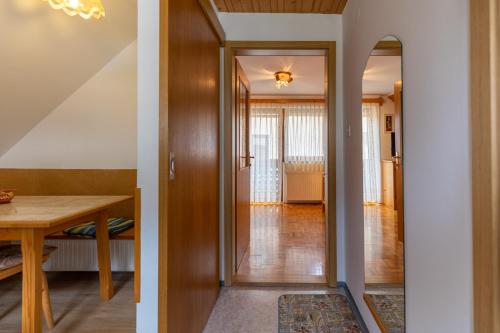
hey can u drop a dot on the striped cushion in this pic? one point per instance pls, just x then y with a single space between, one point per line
87 230
11 255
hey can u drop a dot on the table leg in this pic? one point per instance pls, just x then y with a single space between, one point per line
31 246
103 254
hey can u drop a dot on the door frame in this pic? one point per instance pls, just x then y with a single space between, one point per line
231 50
485 150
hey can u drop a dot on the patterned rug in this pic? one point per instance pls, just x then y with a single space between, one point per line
316 314
391 311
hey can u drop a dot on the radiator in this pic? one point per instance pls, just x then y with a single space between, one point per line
303 183
81 255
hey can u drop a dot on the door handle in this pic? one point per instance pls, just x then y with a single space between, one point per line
396 159
171 166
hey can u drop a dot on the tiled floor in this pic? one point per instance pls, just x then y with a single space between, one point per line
287 244
383 251
76 304
252 309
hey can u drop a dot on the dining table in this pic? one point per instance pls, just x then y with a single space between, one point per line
29 219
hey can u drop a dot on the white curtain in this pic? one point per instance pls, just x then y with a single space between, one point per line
372 184
266 146
304 133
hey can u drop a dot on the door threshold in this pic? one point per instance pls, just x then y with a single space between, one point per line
280 284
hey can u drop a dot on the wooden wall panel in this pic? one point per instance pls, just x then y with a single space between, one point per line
79 255
282 6
74 182
189 225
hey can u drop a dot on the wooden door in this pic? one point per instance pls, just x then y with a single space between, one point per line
243 164
189 139
398 158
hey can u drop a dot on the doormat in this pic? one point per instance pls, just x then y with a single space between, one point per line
316 314
389 311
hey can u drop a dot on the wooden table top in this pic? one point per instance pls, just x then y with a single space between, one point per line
50 211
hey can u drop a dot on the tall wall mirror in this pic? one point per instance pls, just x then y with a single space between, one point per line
383 181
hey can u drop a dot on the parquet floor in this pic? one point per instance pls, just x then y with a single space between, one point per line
287 245
384 258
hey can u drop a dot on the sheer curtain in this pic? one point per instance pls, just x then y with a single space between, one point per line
266 146
304 133
372 184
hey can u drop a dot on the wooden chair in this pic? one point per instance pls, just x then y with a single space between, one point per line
11 263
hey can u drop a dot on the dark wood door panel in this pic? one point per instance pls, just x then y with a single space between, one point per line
242 232
399 158
193 199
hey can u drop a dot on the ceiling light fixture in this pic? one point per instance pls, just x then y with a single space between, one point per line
85 8
283 79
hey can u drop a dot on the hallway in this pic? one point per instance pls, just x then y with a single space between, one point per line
253 309
287 245
383 251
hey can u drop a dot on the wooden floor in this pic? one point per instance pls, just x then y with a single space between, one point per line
76 304
287 245
383 252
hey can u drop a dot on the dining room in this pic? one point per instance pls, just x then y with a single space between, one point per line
69 200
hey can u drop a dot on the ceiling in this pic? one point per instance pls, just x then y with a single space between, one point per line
380 74
282 6
47 55
308 74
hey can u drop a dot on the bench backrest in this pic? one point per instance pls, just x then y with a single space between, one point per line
74 182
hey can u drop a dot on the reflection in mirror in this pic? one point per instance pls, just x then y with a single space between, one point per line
383 202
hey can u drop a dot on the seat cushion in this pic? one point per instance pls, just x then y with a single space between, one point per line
11 255
87 230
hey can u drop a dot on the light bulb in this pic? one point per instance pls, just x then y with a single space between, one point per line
74 3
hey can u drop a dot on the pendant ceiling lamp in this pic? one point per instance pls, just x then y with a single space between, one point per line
283 79
85 8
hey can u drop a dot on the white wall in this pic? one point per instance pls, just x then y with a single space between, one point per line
47 55
94 128
148 158
299 27
436 158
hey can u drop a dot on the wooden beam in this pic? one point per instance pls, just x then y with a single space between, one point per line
378 100
387 48
287 100
210 13
485 125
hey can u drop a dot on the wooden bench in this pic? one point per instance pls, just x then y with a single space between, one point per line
85 182
125 235
130 234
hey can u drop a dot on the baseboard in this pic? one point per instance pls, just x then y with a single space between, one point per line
354 306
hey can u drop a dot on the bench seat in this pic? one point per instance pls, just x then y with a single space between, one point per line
125 235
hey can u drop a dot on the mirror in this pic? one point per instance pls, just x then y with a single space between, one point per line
383 200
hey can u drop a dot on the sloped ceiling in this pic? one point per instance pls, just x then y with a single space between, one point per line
46 55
